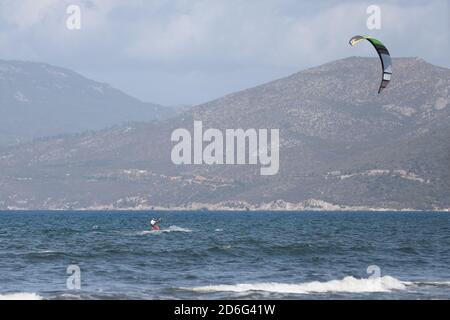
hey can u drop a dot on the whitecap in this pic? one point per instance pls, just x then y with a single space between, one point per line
20 296
169 229
346 285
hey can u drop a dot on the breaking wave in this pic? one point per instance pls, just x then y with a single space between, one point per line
346 285
20 296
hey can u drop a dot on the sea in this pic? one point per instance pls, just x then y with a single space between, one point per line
225 255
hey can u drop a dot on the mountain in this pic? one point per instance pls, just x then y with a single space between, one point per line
341 146
38 99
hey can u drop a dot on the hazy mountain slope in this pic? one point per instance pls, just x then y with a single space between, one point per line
340 143
41 100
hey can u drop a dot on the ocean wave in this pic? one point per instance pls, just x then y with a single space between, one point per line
220 248
20 296
433 283
48 252
45 254
345 285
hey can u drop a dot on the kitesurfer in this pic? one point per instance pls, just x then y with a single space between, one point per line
154 223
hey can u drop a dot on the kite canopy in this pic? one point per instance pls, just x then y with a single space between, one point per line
385 58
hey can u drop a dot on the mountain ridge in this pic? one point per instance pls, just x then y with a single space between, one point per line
341 144
38 99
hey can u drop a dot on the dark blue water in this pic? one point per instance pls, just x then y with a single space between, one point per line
226 255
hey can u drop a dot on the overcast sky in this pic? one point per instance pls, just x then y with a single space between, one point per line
191 51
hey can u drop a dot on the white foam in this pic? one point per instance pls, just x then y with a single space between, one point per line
145 232
20 296
348 285
176 229
169 229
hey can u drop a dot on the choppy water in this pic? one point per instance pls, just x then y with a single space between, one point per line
226 255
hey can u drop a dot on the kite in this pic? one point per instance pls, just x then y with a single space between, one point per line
384 55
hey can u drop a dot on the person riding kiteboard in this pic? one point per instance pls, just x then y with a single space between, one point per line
154 223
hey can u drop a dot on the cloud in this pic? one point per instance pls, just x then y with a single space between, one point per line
25 13
198 42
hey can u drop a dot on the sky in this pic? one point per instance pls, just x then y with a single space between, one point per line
176 52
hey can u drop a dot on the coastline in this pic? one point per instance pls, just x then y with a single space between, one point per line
279 205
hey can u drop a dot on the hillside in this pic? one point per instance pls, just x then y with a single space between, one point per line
38 100
341 146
